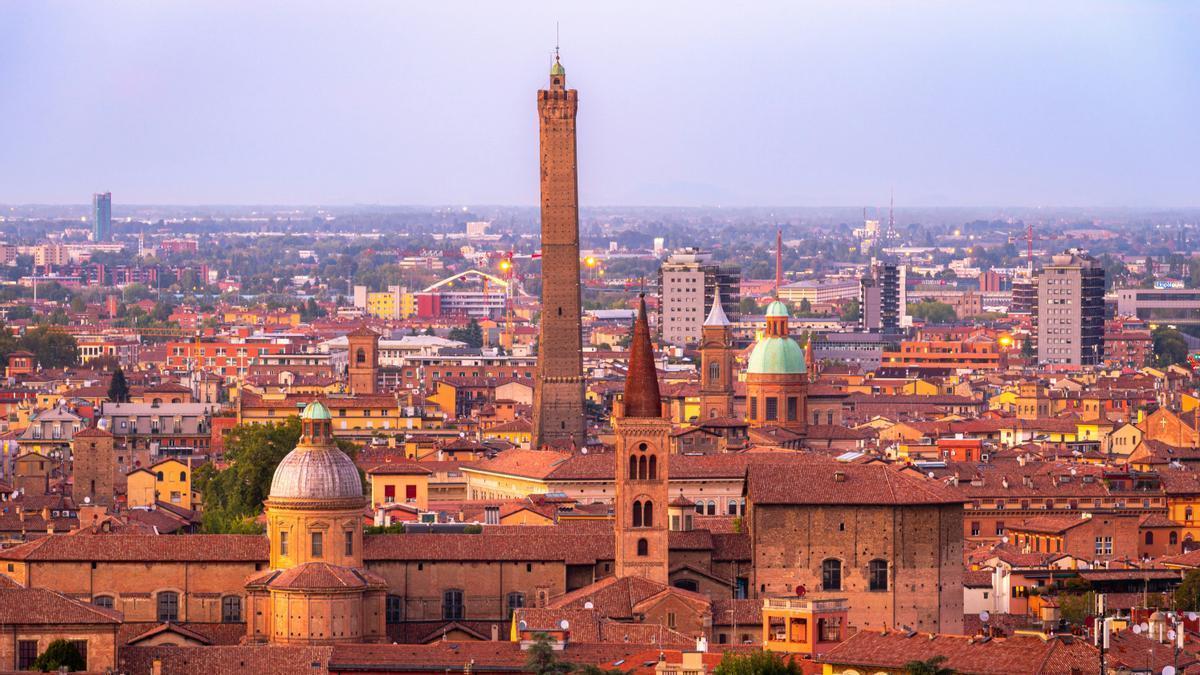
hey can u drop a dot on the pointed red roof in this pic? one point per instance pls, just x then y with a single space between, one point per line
641 384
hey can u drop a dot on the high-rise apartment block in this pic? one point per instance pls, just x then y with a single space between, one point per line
883 299
687 282
1070 310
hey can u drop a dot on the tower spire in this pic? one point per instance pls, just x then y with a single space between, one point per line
642 398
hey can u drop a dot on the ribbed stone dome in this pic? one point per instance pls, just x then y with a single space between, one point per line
316 473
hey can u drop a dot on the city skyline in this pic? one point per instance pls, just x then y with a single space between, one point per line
1073 105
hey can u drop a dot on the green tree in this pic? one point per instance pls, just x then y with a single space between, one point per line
54 349
1076 607
118 388
543 660
1170 348
235 493
756 663
8 343
930 666
1187 596
852 311
932 311
472 335
60 654
1027 347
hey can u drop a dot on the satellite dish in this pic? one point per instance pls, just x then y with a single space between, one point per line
589 605
930 474
1137 630
1004 539
1168 670
1171 635
1074 472
1191 616
1144 626
521 625
984 616
583 451
564 624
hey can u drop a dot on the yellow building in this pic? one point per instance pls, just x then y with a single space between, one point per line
799 625
519 432
394 303
141 489
360 416
399 483
513 474
168 481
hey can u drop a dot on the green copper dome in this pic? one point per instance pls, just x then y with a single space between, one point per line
315 411
777 308
776 356
557 69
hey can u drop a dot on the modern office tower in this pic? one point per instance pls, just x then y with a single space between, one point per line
687 281
102 216
1070 310
882 298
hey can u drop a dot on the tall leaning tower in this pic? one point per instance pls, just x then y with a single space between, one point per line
558 417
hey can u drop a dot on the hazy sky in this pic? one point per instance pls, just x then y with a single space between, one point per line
1086 103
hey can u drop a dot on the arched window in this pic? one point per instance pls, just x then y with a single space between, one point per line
103 601
642 473
452 604
637 514
653 472
360 356
712 507
168 606
831 574
877 574
648 514
633 467
394 610
700 507
1149 538
714 371
231 609
1173 538
643 548
183 476
1187 514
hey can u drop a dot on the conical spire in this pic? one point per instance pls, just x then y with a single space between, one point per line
641 384
716 315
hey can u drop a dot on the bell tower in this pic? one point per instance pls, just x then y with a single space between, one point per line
716 363
643 447
364 360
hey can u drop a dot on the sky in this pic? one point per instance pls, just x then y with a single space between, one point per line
693 103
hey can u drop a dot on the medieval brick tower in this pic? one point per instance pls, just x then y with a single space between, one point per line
364 360
643 447
558 417
94 455
716 363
